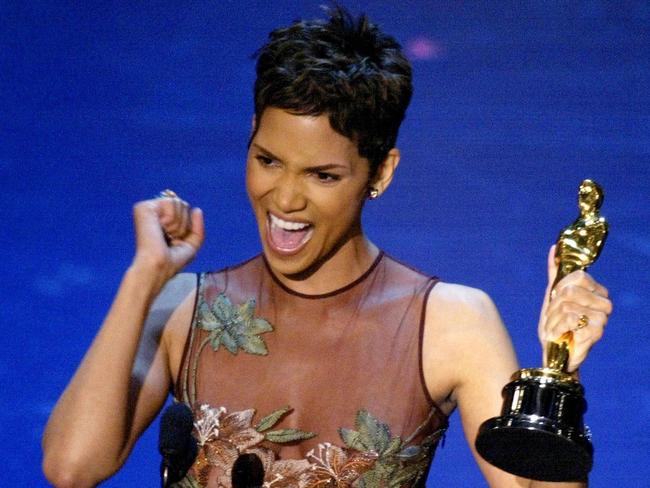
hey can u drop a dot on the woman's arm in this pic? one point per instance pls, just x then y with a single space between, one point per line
124 377
468 356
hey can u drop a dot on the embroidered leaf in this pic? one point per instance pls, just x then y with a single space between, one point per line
374 434
229 342
288 435
234 327
223 309
215 340
254 345
393 446
237 421
406 475
271 419
409 453
207 321
246 438
377 476
259 326
430 440
353 439
246 310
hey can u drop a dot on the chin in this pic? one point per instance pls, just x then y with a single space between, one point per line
286 265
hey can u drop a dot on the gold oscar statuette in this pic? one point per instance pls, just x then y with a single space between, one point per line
540 433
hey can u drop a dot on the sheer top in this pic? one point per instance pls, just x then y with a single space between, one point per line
327 390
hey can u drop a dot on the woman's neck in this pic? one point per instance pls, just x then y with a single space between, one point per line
343 266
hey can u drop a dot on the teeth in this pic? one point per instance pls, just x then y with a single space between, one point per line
286 225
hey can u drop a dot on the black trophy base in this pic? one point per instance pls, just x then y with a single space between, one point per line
540 434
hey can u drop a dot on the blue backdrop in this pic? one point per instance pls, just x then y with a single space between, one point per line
104 103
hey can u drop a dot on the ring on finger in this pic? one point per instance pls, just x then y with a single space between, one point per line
167 193
583 321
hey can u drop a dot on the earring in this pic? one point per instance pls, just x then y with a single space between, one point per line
373 193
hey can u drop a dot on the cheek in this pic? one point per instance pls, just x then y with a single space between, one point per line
341 208
254 182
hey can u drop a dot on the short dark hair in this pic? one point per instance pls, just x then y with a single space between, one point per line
343 67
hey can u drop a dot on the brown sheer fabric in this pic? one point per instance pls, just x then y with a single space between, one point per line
327 390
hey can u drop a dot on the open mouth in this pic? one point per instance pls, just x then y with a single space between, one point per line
287 237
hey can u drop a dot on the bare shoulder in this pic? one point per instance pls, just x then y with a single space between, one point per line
462 313
463 335
459 301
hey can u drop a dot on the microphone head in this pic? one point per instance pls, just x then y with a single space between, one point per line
248 472
176 426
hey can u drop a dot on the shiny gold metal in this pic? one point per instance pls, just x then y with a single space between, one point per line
583 322
577 247
545 375
540 433
167 194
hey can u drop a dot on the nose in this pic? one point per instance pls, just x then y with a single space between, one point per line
289 194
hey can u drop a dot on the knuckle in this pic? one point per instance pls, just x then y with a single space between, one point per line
571 291
600 318
579 276
141 205
597 334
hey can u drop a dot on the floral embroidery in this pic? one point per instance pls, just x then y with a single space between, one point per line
233 326
222 437
207 426
397 463
337 467
368 457
281 436
371 458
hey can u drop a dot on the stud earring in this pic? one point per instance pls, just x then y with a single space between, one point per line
373 193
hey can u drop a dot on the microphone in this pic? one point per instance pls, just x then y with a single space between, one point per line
247 472
176 444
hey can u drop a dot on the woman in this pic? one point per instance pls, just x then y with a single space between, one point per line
333 363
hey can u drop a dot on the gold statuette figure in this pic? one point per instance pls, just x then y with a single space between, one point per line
540 433
577 247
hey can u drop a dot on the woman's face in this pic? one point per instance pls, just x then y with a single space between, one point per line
307 185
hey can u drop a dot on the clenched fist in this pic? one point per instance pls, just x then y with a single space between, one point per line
169 233
579 304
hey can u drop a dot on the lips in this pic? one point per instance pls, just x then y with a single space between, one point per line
287 237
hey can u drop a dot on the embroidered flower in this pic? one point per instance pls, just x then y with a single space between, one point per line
233 326
224 436
208 423
287 474
371 458
335 467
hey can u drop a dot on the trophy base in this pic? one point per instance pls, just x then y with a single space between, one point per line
540 434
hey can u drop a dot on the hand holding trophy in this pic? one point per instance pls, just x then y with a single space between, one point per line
540 433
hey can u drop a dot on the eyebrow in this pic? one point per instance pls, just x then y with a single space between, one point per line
320 167
266 152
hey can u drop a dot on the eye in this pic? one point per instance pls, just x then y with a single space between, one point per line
326 177
264 160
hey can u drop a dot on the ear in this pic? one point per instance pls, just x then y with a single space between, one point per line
386 170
